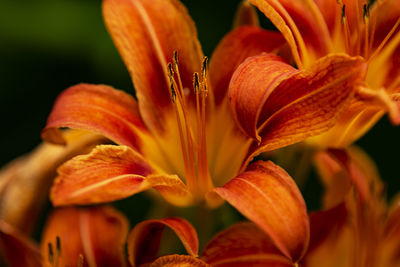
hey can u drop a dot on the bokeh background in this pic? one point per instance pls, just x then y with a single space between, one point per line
47 46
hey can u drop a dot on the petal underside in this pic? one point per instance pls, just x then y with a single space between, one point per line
269 197
144 239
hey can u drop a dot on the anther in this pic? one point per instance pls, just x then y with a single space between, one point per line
58 246
196 84
343 13
51 254
175 60
170 71
173 93
365 11
204 67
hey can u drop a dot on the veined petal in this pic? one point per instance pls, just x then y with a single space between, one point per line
178 261
279 105
18 249
269 197
146 33
108 173
233 49
241 245
144 239
97 233
98 108
25 182
302 17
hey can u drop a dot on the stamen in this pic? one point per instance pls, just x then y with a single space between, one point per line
345 24
196 82
50 254
366 28
175 61
58 246
173 93
204 179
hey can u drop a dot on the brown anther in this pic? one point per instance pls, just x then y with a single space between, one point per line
58 246
365 11
196 84
343 13
170 71
204 67
173 93
51 254
175 60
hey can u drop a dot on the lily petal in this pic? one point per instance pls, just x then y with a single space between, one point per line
146 33
108 173
98 108
243 244
326 223
178 261
98 234
144 239
269 197
304 19
246 14
25 182
279 105
18 249
233 49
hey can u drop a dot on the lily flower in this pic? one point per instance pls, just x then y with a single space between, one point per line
96 236
180 138
72 237
316 29
357 227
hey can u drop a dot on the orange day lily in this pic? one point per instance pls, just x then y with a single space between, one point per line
357 228
175 134
315 29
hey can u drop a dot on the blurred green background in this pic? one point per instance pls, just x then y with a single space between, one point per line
47 46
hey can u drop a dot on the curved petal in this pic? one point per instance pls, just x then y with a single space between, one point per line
252 83
144 239
303 18
25 182
108 173
97 233
269 197
17 249
146 33
243 244
279 105
233 49
178 261
98 108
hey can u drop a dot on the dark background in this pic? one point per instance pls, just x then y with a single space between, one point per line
47 46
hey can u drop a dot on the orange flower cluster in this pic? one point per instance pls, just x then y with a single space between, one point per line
324 79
